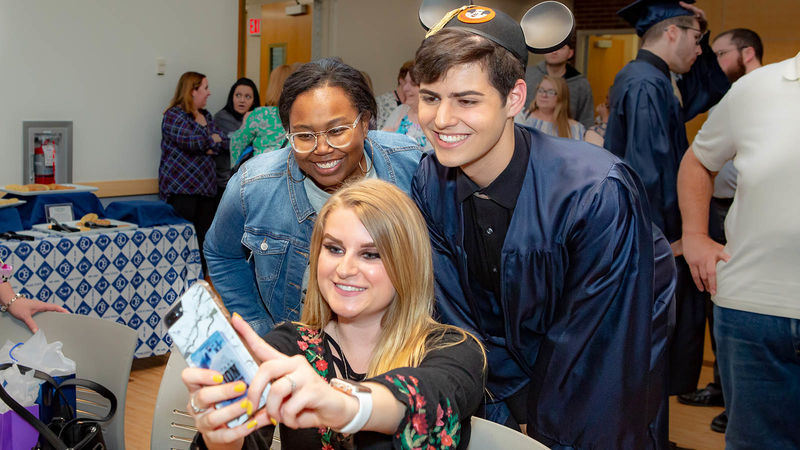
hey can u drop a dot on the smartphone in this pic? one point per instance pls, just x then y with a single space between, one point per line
199 325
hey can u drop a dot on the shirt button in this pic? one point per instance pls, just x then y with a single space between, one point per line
494 269
264 246
489 231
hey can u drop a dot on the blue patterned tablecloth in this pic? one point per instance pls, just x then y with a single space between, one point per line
132 277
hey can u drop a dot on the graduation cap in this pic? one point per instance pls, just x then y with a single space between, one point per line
544 28
643 14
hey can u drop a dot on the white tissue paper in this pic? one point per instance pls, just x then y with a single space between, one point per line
36 353
22 388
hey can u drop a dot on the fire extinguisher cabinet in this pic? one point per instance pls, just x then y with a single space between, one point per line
47 152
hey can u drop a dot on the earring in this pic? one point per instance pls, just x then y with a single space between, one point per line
372 157
289 170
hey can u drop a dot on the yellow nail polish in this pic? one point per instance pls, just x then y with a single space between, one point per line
252 424
217 378
240 387
237 315
248 405
274 423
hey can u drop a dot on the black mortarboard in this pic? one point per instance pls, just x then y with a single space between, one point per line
643 14
547 26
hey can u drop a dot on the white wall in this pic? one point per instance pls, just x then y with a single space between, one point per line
379 35
94 62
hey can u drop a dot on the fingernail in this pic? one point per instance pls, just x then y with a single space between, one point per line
246 404
252 424
237 315
273 422
240 387
217 378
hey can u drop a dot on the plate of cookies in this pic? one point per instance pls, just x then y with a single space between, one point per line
88 224
9 202
39 189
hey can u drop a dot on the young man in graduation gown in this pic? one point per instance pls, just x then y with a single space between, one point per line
647 129
543 247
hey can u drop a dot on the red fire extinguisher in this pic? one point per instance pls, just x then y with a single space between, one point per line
44 161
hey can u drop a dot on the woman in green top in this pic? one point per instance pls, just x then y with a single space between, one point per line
262 127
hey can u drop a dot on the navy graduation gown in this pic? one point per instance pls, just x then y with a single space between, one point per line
647 128
586 297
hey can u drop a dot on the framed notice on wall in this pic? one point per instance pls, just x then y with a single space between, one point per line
62 212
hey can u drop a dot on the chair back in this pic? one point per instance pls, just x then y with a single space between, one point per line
486 434
173 427
102 351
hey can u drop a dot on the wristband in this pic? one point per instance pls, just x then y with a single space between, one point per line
364 396
4 308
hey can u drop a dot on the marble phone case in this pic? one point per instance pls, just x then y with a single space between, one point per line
207 340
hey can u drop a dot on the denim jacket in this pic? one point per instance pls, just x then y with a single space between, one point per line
258 246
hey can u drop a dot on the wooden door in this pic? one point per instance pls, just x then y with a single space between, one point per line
284 39
606 55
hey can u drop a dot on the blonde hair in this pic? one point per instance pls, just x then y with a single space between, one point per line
561 112
277 77
188 82
401 237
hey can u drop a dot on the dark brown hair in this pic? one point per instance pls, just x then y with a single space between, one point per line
452 47
742 37
404 69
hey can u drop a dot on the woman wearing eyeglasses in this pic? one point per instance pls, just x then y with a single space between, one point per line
257 248
549 111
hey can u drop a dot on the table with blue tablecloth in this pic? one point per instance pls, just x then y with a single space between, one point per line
131 276
33 211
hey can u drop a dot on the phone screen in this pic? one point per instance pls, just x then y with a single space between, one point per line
201 331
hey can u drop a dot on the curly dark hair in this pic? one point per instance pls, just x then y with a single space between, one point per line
327 72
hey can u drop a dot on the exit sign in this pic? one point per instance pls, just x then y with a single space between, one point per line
254 28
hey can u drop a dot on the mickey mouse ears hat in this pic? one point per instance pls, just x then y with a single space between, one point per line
544 28
643 14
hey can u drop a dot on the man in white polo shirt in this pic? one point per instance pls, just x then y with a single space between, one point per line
755 279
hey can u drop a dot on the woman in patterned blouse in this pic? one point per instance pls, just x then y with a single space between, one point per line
187 176
367 318
262 128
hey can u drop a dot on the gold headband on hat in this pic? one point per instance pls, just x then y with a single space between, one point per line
436 28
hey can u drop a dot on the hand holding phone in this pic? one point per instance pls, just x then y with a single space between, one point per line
199 326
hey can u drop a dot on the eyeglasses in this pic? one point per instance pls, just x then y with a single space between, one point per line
719 53
699 37
547 92
336 137
244 96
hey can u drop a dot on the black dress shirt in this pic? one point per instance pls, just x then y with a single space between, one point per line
487 215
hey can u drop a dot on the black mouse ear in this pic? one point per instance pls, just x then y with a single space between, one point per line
547 26
432 11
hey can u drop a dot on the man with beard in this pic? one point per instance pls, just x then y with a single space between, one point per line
739 52
674 77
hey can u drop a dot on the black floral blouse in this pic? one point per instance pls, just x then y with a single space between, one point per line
441 395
